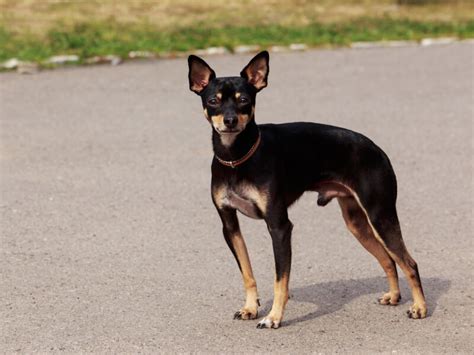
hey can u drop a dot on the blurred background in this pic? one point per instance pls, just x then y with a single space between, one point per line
38 29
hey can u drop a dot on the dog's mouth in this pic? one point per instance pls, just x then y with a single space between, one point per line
227 131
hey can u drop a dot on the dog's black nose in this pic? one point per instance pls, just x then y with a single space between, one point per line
230 121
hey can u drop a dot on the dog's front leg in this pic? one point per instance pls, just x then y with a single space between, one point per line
280 229
236 243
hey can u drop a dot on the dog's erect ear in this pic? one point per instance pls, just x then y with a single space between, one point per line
256 72
200 74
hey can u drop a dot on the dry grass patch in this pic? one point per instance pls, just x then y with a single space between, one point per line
39 16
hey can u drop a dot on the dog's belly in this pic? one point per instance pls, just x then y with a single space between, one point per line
244 205
329 189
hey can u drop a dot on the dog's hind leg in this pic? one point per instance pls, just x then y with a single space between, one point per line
389 231
356 221
384 222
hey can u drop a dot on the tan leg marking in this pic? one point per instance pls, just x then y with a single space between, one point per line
250 309
418 309
280 289
356 222
219 195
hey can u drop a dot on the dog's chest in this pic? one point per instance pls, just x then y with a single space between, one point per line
245 198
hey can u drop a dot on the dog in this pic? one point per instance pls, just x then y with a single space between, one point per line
261 170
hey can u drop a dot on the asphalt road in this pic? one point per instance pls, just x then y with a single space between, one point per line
110 242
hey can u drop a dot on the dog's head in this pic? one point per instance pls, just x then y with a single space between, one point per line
229 103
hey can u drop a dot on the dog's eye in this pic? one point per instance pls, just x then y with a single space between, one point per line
243 100
213 101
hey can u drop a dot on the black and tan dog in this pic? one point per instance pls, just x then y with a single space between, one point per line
260 170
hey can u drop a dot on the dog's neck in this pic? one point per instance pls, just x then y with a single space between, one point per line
233 148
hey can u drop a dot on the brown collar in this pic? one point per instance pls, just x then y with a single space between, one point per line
235 163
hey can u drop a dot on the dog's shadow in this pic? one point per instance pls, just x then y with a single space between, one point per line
332 296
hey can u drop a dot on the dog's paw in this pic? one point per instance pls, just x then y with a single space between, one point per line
269 322
390 298
246 314
417 311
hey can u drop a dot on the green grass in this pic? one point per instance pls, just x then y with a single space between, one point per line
110 37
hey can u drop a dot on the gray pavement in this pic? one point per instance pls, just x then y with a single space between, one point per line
110 242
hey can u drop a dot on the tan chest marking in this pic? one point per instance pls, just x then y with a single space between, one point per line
244 197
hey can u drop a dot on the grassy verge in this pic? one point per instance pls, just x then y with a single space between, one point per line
87 39
34 30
